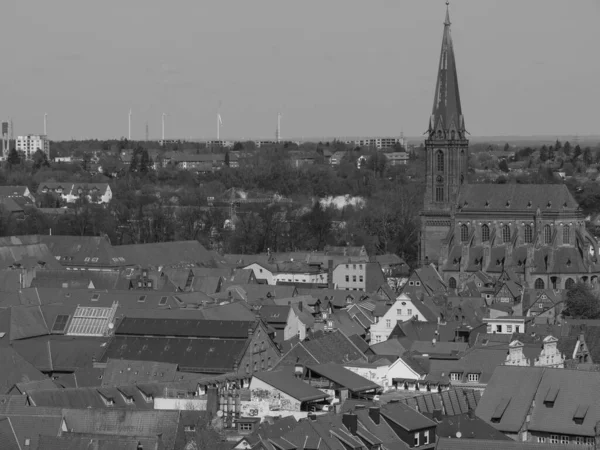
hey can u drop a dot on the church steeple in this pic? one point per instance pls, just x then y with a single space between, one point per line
446 120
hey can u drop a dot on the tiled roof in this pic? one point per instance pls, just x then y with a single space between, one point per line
406 417
516 197
15 369
286 382
451 402
515 385
226 329
124 423
483 444
344 377
196 355
77 441
122 372
165 253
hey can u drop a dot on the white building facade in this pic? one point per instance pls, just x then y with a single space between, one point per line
31 143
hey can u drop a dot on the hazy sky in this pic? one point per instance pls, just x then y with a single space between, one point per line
332 67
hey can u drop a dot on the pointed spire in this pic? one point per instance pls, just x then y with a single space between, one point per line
447 113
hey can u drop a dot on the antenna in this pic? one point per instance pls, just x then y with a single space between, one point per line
147 132
163 128
129 133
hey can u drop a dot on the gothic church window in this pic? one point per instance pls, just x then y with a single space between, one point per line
452 283
440 161
539 284
485 233
439 193
528 232
506 233
464 233
566 234
547 234
569 283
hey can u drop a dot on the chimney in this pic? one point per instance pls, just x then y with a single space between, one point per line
437 415
300 306
374 414
312 416
330 274
350 421
140 446
471 414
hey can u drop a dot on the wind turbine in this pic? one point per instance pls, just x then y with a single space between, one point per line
45 124
129 131
278 131
219 125
163 127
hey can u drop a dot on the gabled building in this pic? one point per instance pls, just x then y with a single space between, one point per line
200 346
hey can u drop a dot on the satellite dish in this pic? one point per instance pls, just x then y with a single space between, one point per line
111 326
458 434
219 413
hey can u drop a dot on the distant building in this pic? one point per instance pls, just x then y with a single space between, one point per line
397 158
71 192
31 143
376 142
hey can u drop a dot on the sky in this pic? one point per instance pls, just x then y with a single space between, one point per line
332 68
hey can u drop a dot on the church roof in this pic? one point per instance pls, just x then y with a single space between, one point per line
447 112
516 197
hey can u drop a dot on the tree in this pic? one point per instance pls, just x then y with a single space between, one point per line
503 166
14 159
506 147
581 302
227 159
145 162
40 159
587 156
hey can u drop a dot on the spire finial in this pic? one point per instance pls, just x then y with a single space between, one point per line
447 21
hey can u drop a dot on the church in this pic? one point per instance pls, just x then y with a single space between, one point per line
536 232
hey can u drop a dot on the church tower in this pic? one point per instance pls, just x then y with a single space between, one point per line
447 155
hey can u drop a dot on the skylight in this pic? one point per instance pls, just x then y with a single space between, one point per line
95 297
60 323
141 299
163 301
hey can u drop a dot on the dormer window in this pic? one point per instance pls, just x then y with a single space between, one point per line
549 205
529 204
508 204
487 203
551 397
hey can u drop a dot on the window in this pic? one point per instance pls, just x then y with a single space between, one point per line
569 283
141 299
541 439
163 301
464 233
417 440
452 283
87 259
528 232
426 437
506 233
417 283
566 234
411 283
94 259
454 376
245 427
354 266
190 428
377 338
388 323
547 234
347 278
439 193
247 368
485 233
399 311
409 312
60 323
440 161
564 439
361 279
354 278
27 442
95 297
509 328
541 305
539 284
474 377
269 362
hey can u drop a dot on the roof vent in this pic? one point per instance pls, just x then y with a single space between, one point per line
549 204
487 203
508 204
529 204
